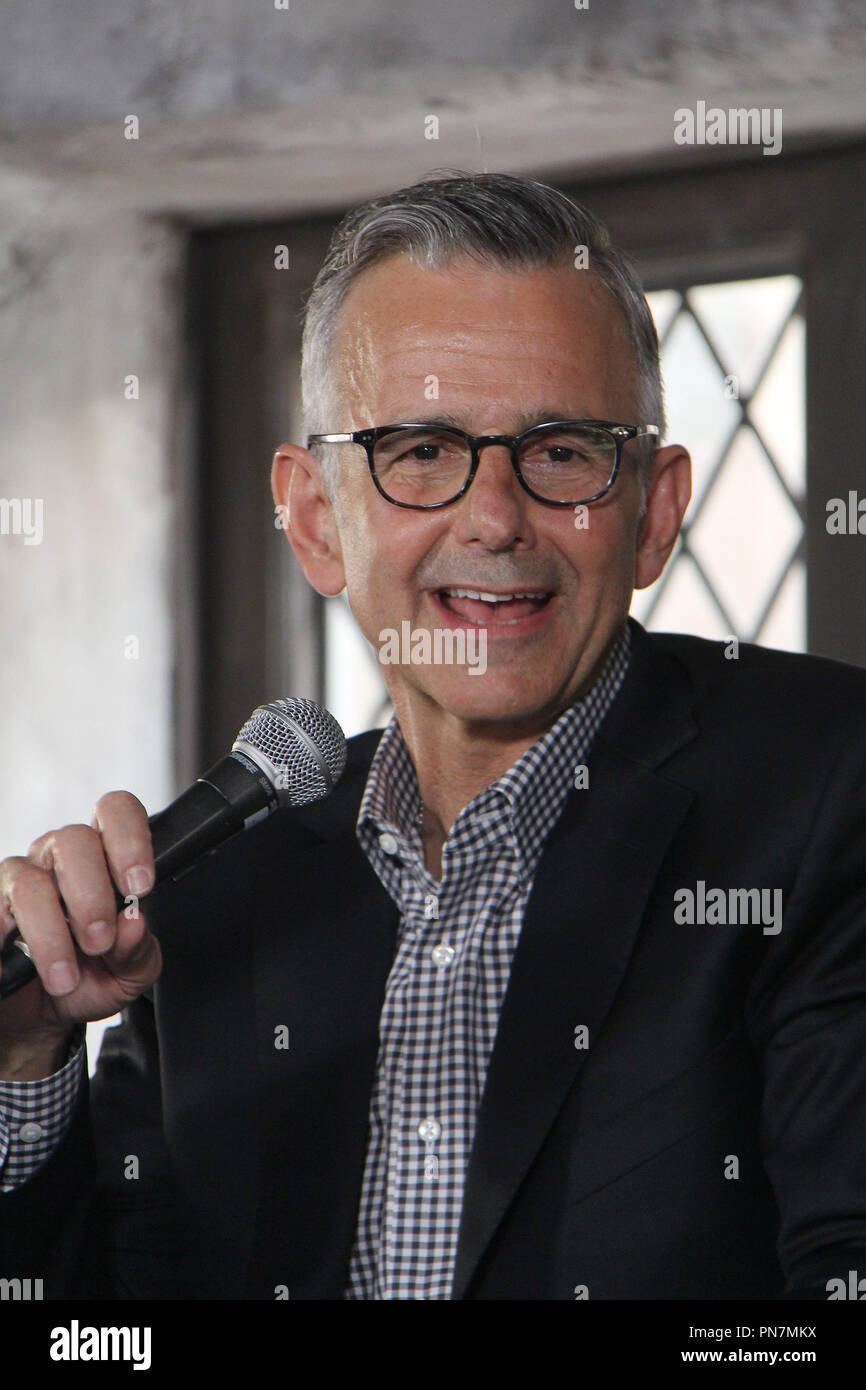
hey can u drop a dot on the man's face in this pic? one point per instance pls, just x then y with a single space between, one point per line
506 350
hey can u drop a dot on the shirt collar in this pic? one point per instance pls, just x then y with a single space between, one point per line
529 796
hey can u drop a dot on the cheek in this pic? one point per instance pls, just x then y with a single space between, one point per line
608 542
378 566
358 533
382 548
595 547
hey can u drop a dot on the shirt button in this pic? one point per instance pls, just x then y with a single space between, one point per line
429 1131
29 1133
388 842
443 954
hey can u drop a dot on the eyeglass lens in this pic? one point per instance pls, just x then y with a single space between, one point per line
431 464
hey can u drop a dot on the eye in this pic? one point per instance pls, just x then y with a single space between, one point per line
569 448
416 447
562 453
424 453
549 452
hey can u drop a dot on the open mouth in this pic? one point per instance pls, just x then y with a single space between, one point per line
482 607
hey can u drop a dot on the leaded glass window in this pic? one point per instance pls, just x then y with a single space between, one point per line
733 364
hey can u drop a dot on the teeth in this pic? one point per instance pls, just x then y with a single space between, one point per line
485 597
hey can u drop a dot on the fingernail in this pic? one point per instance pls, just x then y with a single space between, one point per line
139 880
62 977
99 936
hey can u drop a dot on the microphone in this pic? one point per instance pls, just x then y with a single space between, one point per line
289 752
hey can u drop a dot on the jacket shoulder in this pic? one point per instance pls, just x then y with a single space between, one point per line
785 680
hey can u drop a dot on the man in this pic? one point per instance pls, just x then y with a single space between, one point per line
572 960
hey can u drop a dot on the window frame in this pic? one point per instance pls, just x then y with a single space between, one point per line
258 629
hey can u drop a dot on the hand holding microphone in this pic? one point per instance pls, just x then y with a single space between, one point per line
62 907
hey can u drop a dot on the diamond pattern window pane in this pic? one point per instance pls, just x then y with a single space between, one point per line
664 305
778 409
700 414
730 535
743 319
733 362
786 623
687 604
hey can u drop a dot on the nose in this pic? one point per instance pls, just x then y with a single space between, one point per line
494 509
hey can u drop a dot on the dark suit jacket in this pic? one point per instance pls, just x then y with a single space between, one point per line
710 1142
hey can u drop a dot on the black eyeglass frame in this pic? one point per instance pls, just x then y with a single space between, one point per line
368 438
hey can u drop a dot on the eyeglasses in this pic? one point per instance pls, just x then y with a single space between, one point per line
564 463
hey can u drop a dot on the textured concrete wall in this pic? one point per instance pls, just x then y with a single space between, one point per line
212 56
245 108
83 303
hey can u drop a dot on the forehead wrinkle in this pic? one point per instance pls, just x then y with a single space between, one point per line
552 355
371 352
473 343
472 369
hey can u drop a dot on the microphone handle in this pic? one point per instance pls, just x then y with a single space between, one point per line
225 800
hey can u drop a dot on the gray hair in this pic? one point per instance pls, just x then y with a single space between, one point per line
496 219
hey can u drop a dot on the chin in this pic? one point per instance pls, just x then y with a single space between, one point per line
493 697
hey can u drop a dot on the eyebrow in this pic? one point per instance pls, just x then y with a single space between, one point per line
524 422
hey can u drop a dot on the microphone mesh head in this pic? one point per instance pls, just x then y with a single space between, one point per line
299 745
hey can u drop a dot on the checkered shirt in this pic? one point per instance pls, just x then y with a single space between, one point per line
455 945
35 1115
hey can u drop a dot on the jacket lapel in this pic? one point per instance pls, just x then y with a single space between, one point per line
325 938
582 919
323 977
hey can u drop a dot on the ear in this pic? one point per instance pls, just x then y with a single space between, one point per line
669 490
306 514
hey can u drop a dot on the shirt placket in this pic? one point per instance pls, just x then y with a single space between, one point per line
404 1048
